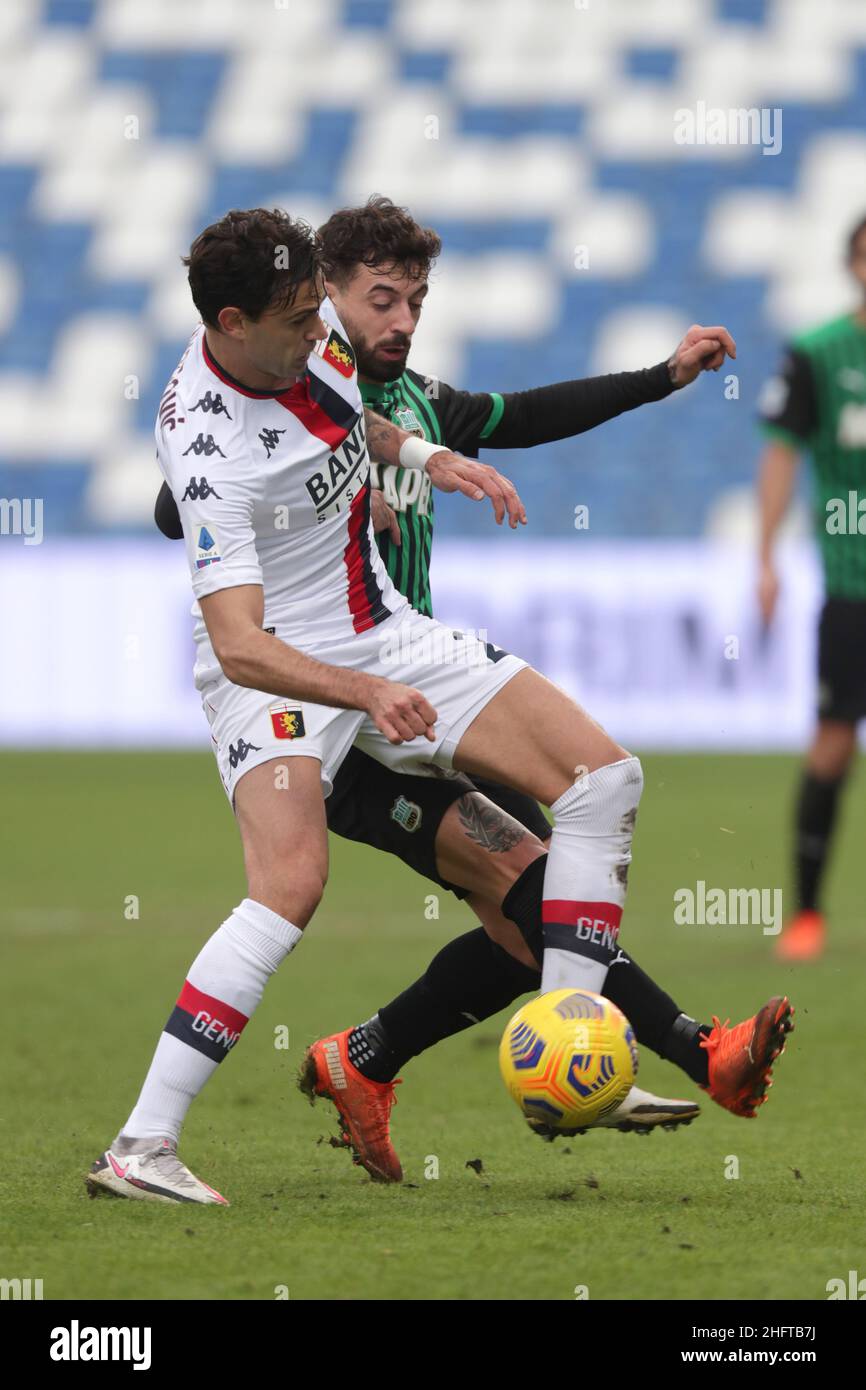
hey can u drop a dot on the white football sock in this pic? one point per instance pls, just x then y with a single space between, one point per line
221 992
586 873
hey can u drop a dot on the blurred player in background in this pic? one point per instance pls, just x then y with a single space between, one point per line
817 405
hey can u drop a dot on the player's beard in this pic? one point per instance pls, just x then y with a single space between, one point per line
378 368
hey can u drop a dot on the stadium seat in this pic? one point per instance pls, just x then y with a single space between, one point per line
536 131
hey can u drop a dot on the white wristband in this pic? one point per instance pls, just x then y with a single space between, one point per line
415 452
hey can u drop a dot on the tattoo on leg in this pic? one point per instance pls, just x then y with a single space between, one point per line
487 825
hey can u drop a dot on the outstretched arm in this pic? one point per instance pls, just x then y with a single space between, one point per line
789 414
777 475
522 419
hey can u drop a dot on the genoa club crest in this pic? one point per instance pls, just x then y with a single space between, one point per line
338 353
287 721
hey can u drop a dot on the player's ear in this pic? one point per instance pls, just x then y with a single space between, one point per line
231 321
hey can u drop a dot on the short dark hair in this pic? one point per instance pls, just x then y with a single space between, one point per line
253 259
854 236
379 233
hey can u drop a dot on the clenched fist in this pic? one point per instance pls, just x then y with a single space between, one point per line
701 350
400 712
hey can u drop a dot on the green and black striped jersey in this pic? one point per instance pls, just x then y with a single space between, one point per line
458 420
465 422
818 403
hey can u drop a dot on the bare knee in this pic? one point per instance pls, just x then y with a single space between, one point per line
292 891
594 748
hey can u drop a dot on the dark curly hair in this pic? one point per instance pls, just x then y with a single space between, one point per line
379 233
252 259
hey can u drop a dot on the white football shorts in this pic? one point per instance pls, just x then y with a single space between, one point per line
457 672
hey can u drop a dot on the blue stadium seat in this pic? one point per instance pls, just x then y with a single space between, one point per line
61 484
642 473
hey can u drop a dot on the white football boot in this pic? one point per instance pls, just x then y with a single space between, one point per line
640 1113
148 1170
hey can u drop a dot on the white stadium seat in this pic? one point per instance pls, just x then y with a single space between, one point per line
629 339
527 129
124 481
745 230
615 228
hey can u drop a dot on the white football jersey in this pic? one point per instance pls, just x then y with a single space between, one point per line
273 488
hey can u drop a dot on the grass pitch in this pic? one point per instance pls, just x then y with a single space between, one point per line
86 987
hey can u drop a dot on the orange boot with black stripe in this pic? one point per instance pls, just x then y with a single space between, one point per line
740 1060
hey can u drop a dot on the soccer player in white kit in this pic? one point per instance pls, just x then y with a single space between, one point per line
304 647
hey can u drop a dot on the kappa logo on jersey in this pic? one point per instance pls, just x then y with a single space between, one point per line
287 720
335 350
406 813
270 439
207 551
210 404
238 751
342 478
206 446
199 491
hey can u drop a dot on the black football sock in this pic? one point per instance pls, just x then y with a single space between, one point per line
817 805
522 905
370 1052
652 1014
470 979
655 1018
682 1046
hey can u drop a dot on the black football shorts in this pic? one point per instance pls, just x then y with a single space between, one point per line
842 660
401 814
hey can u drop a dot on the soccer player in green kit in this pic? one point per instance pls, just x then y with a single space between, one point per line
817 405
480 840
382 302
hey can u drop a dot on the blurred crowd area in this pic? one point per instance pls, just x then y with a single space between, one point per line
591 199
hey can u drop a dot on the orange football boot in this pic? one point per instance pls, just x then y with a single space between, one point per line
364 1106
803 938
740 1060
